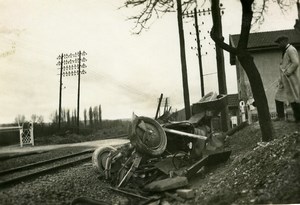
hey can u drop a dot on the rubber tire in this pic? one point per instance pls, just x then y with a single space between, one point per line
98 158
143 148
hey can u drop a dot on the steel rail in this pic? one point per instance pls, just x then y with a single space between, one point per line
27 166
33 173
36 169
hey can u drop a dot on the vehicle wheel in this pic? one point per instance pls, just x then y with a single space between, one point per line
149 137
99 158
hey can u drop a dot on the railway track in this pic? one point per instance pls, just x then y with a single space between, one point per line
29 171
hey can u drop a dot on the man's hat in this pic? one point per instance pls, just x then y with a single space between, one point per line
281 38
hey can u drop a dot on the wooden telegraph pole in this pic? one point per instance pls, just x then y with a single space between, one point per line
199 53
60 90
78 94
216 16
183 62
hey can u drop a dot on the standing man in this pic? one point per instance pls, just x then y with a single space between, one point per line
289 81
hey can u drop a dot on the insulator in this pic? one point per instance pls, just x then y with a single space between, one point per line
83 53
59 57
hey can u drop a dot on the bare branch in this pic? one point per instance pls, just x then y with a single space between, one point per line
220 42
152 9
258 14
260 8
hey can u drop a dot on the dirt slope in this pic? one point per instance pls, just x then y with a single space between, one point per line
257 173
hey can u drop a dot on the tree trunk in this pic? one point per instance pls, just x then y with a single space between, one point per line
248 65
259 95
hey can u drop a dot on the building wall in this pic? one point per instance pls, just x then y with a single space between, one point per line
267 63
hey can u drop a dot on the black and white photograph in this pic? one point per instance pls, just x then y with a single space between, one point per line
149 102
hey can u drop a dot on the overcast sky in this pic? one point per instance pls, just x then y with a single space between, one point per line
125 73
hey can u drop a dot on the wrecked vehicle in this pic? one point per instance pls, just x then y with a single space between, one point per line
163 155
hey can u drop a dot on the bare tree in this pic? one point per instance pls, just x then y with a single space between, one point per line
91 116
252 12
247 63
68 117
40 119
100 114
54 117
64 115
20 119
85 116
34 118
95 115
74 117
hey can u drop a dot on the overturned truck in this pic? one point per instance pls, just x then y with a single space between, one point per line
164 155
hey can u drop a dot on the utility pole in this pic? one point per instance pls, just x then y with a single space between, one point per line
70 65
60 90
78 94
219 56
198 40
199 53
220 61
183 62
